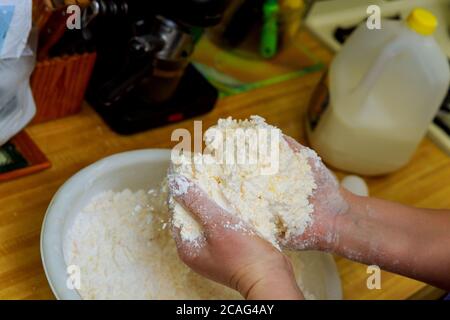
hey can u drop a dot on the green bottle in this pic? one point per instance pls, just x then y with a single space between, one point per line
269 32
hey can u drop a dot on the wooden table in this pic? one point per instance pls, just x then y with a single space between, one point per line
75 142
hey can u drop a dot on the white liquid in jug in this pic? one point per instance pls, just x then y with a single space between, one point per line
385 88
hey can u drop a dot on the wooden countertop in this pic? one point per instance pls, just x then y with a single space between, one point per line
75 142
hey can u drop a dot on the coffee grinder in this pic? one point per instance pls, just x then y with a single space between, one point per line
143 77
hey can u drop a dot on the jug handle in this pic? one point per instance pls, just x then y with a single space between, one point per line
393 48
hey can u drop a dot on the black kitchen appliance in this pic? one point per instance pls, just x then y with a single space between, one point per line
143 77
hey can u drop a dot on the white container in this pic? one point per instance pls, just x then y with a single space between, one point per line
385 88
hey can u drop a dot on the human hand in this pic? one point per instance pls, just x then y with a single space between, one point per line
393 236
329 203
231 253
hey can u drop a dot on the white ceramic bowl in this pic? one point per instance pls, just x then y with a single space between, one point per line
135 170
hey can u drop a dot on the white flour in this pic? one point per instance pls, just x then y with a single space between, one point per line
275 205
122 245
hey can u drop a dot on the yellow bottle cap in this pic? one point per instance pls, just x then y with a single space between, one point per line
422 21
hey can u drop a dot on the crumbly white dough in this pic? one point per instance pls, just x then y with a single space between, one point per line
275 205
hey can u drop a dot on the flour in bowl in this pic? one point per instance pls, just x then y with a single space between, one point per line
123 247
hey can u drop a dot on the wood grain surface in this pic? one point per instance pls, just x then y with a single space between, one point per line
75 142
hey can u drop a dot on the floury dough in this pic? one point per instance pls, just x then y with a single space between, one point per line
275 205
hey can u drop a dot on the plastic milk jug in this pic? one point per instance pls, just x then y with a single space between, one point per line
385 87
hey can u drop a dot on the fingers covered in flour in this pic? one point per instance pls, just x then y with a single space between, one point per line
321 172
293 144
206 211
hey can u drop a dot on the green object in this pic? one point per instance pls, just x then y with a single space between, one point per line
232 86
269 32
10 158
197 33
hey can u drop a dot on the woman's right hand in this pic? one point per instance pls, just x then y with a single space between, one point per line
231 253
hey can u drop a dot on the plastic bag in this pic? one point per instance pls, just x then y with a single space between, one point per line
15 26
17 106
